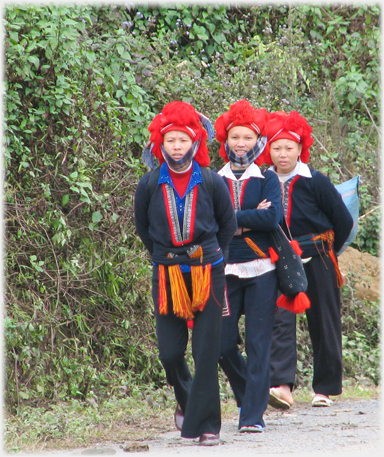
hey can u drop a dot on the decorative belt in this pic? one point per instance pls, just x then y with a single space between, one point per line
329 237
183 305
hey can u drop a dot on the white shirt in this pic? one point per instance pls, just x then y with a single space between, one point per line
252 171
301 169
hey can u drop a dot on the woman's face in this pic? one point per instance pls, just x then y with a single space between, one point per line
177 144
241 139
284 155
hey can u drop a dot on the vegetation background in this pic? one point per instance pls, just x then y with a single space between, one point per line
82 84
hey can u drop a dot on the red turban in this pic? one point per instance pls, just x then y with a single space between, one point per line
182 117
290 126
241 113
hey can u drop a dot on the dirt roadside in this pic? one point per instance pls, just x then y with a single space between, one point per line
349 427
366 271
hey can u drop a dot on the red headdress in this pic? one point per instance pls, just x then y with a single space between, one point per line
290 126
183 117
241 113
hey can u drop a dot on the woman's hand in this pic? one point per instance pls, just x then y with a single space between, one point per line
263 204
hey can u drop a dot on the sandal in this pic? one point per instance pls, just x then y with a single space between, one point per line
178 417
252 428
276 401
321 400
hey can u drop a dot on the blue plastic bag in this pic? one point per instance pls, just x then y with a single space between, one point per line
349 190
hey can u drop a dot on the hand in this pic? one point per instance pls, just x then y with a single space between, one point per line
263 204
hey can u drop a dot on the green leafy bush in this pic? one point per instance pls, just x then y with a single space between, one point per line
77 277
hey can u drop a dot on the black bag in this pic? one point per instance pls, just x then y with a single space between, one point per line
290 271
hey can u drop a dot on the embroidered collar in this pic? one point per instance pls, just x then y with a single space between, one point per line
301 169
196 177
252 171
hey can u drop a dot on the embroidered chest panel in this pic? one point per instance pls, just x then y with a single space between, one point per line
236 193
179 236
285 194
287 197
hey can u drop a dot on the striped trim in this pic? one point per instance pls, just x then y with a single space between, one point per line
295 134
255 127
289 205
189 128
179 239
185 126
289 131
252 124
169 125
275 135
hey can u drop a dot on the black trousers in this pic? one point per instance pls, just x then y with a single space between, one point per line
197 394
324 325
249 377
283 350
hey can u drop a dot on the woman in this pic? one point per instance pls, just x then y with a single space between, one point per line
185 218
250 274
319 220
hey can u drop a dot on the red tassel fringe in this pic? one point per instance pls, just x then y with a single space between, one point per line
296 247
274 256
337 269
297 305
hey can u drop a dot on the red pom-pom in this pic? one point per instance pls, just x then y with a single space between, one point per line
296 247
190 323
273 255
297 305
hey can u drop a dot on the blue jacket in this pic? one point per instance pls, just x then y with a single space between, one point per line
260 221
314 207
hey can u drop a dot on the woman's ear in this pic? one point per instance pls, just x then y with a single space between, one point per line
301 148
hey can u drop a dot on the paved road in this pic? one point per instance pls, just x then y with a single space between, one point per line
347 428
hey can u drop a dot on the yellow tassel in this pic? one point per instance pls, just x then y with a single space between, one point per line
197 275
182 305
163 301
255 248
201 286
